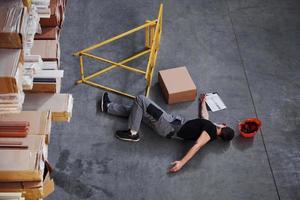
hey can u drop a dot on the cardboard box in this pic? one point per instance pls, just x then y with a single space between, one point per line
60 105
10 62
12 25
48 81
21 165
36 193
43 87
47 49
31 190
39 122
55 17
177 85
33 142
48 33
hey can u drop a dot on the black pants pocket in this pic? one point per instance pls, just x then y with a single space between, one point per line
154 111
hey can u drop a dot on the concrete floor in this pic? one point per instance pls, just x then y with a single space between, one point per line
247 50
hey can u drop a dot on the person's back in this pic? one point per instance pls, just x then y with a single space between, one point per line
192 129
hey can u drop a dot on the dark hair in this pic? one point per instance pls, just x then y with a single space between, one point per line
227 133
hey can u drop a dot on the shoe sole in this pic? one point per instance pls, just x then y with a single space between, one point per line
128 140
102 105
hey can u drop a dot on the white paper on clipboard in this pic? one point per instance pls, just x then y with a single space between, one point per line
214 102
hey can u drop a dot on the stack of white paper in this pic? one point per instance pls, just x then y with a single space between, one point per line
214 102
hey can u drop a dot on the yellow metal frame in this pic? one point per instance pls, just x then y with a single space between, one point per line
153 31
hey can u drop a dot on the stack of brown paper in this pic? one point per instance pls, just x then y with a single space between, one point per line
13 129
40 122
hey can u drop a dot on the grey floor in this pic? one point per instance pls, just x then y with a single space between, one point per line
247 50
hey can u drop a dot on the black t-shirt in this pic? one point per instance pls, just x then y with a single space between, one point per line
192 129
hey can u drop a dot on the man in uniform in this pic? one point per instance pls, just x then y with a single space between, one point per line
201 130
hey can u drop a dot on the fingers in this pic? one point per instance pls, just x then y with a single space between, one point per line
174 169
174 162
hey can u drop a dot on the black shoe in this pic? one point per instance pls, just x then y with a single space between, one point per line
127 136
104 102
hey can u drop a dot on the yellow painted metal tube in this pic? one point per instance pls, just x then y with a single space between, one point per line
154 50
108 89
114 63
116 37
147 36
114 66
98 73
81 67
152 59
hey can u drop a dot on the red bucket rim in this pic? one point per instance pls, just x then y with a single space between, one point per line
252 134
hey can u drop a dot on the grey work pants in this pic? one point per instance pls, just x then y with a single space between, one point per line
144 109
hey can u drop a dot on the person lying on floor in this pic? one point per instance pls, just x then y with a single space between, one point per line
201 130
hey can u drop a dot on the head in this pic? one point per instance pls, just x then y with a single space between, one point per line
227 133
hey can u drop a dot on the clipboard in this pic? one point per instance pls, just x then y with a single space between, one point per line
214 102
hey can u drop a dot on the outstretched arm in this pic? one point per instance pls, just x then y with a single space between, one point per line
202 140
204 112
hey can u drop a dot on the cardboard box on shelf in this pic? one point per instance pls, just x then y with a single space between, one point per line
44 87
32 142
13 20
39 122
31 190
10 70
60 105
50 65
48 81
55 16
11 103
21 165
47 49
48 33
177 85
12 129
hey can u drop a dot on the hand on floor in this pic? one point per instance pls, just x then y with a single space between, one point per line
176 166
202 98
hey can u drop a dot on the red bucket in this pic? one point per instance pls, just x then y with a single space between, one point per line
249 127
